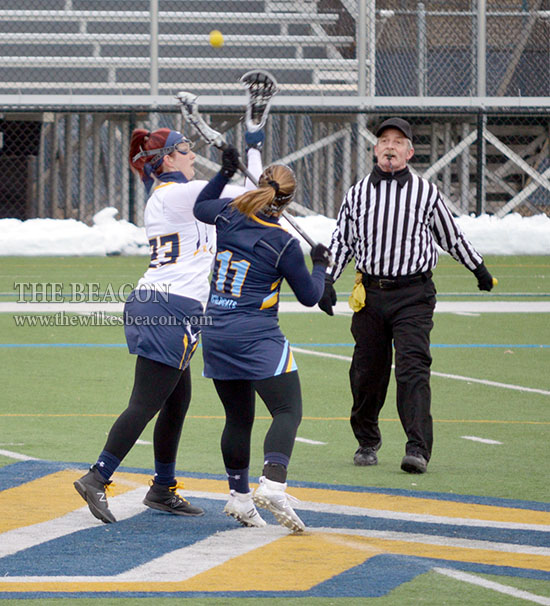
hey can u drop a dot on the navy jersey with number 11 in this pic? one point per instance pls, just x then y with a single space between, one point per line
254 255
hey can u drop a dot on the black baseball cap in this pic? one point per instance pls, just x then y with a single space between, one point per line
398 123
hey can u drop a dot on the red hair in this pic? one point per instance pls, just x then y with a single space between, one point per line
143 140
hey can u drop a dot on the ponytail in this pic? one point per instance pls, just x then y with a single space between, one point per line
142 140
276 189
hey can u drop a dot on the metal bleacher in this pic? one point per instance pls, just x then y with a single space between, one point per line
104 51
76 76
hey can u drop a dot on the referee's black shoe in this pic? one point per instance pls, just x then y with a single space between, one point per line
92 488
366 455
414 463
165 498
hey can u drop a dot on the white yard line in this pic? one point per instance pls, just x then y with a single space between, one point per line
180 564
482 440
444 375
123 506
77 308
429 539
507 590
17 456
543 392
457 307
321 354
424 518
306 441
189 561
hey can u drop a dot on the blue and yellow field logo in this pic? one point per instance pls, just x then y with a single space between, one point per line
359 543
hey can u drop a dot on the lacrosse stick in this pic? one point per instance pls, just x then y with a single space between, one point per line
190 112
260 86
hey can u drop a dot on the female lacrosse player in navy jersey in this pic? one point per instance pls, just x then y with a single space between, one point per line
161 318
244 349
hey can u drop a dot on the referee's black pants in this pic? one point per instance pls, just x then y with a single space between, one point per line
405 316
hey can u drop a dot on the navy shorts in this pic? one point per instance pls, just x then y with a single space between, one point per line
162 327
231 358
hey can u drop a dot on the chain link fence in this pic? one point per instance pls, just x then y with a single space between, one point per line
77 76
71 165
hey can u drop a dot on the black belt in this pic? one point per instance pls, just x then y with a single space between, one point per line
393 283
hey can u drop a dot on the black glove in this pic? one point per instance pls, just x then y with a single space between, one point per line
230 161
329 297
484 278
320 254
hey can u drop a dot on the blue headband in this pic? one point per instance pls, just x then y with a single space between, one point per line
174 137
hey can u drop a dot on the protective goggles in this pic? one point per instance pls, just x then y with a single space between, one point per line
183 147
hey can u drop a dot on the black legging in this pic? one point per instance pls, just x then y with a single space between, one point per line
281 395
156 387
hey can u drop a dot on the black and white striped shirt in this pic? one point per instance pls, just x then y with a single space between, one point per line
392 228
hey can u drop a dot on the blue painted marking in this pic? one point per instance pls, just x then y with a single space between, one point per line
20 472
150 535
314 519
128 543
20 345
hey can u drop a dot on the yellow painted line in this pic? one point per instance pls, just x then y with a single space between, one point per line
373 500
54 415
445 266
280 565
265 418
421 506
58 497
190 484
492 421
456 554
43 499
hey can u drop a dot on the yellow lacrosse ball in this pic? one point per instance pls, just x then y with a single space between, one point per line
216 38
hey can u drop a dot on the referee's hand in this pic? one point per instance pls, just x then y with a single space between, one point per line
328 299
320 255
484 278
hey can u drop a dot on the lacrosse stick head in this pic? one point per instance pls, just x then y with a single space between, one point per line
261 86
190 111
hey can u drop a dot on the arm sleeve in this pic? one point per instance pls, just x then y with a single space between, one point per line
214 197
450 237
340 243
208 204
254 166
307 287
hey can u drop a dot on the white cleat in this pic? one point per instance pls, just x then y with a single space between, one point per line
241 507
272 496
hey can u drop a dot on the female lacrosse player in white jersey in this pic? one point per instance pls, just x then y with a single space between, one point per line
162 316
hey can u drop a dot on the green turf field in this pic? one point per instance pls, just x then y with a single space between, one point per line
63 386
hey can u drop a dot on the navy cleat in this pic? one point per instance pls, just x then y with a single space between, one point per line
165 498
92 487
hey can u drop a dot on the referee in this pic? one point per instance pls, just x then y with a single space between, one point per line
391 222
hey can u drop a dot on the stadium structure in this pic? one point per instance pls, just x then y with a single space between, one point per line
472 77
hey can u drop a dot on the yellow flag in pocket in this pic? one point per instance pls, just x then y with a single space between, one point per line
358 295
